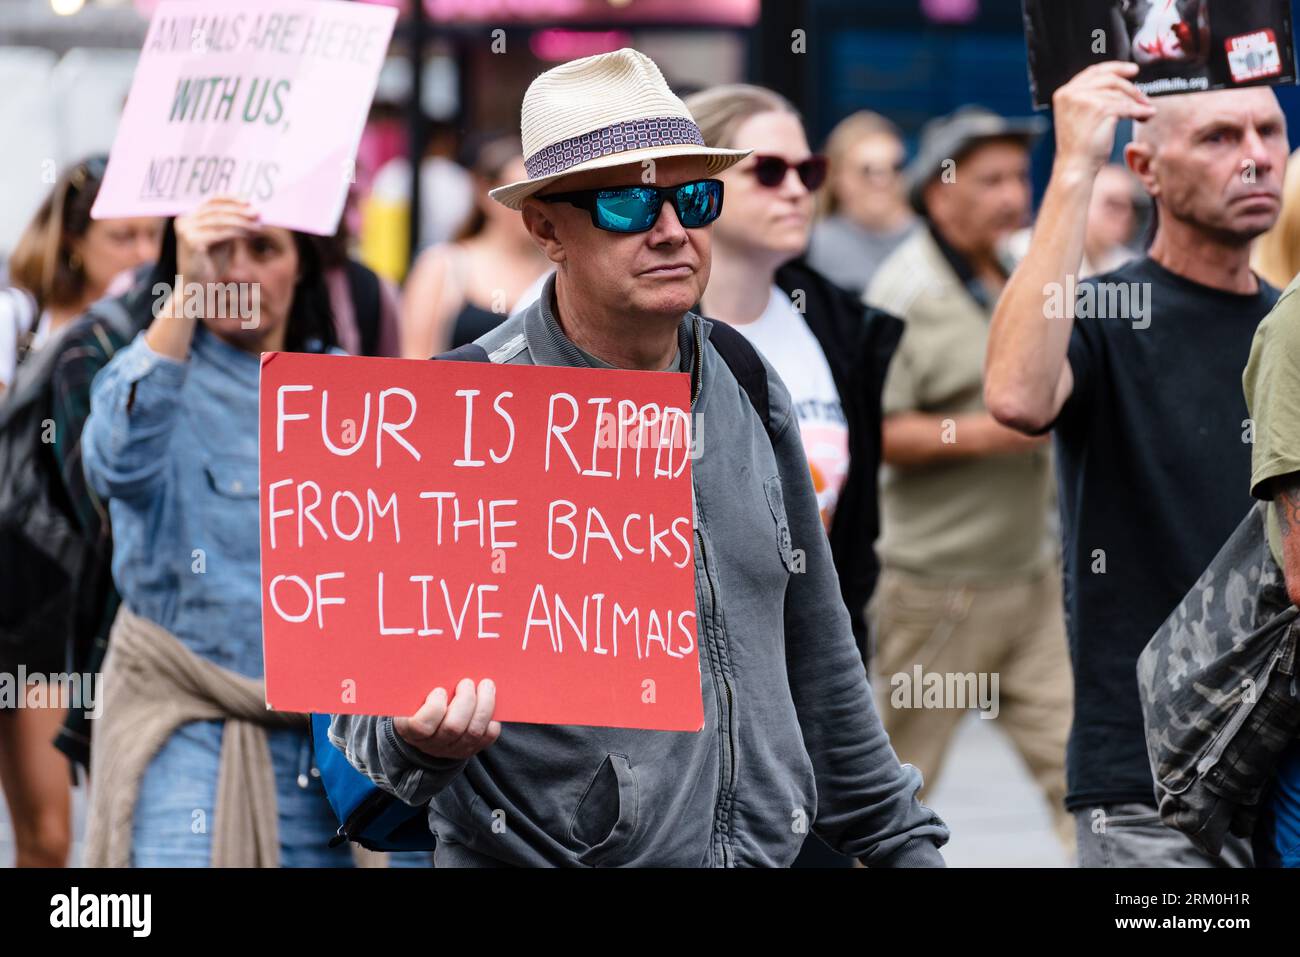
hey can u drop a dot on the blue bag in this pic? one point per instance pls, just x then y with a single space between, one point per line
367 814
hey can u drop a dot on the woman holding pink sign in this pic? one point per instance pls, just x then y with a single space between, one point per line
191 768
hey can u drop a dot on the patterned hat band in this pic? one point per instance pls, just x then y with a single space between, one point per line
619 138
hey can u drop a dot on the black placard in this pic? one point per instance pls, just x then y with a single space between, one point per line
1182 46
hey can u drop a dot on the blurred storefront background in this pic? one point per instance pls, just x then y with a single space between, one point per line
66 67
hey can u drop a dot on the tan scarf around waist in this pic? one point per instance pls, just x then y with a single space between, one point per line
152 685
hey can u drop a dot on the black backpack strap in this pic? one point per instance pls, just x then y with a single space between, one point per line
469 352
745 364
114 314
736 351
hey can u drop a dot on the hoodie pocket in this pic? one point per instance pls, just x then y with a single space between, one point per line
776 502
606 815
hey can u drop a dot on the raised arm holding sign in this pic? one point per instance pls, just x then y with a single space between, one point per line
1138 372
1028 378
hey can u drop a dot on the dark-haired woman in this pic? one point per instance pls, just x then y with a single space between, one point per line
460 290
190 769
64 261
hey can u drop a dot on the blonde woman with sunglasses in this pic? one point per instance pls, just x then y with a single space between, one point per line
829 350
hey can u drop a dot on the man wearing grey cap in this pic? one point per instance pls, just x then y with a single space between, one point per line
969 597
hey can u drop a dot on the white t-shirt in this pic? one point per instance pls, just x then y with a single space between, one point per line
785 340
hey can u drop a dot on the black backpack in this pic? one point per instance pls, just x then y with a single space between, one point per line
42 548
737 352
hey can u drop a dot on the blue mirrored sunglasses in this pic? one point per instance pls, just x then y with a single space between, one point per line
635 209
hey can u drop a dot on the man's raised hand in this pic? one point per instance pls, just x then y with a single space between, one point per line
1087 109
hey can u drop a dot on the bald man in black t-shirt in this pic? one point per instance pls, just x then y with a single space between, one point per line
1141 383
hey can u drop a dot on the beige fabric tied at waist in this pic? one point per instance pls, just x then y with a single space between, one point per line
152 685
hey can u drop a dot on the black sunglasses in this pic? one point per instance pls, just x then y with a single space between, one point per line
635 209
771 170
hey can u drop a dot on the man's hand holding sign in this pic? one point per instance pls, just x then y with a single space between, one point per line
459 730
1031 354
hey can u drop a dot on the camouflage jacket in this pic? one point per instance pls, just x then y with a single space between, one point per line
1218 690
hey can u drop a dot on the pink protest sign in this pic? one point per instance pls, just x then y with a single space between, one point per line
260 99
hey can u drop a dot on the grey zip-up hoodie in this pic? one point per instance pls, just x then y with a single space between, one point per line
791 741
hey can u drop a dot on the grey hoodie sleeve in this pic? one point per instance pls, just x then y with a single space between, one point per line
374 748
866 801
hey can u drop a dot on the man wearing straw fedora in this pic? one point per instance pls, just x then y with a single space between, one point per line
619 197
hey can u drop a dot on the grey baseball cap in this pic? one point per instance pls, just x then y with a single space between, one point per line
951 137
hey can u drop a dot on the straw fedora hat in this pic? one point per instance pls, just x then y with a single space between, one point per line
602 111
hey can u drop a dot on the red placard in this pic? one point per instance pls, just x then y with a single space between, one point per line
424 522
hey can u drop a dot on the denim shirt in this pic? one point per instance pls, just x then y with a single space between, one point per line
173 446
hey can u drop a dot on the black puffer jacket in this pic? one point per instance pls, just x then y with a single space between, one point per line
859 342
